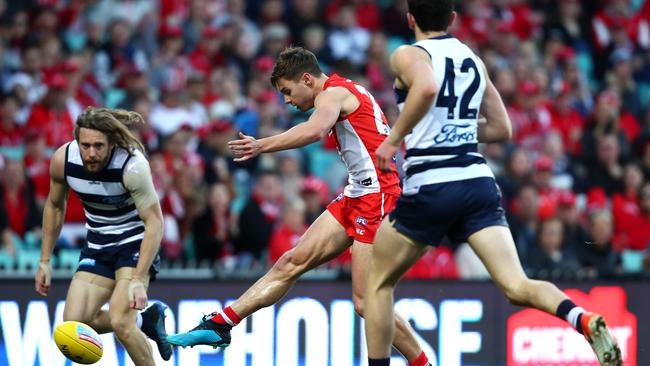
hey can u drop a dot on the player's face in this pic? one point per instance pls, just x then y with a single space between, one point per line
297 93
94 148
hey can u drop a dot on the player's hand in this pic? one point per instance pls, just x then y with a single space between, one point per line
385 154
43 278
247 147
137 295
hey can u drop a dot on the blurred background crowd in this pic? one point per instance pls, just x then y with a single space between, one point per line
575 77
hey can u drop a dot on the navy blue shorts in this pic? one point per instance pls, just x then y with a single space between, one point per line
106 261
456 209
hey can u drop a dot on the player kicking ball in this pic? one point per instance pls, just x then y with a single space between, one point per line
345 112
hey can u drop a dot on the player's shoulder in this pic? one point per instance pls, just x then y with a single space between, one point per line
407 53
57 162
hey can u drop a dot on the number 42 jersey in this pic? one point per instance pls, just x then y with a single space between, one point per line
443 146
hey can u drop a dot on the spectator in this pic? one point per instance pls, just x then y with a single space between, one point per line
626 207
523 221
348 41
259 216
214 151
606 172
213 227
37 166
19 214
51 115
530 118
117 55
314 192
639 233
135 83
597 255
517 172
11 133
567 119
550 259
286 235
305 14
574 233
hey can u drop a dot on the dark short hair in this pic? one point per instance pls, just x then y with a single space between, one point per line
431 15
292 63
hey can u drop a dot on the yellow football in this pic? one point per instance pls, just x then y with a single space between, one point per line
78 342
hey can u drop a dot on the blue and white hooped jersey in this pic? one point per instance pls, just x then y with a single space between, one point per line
111 216
443 146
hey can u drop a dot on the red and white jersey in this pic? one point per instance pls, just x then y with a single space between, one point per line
357 136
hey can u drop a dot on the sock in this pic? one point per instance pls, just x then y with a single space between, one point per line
138 320
570 312
227 317
378 361
421 360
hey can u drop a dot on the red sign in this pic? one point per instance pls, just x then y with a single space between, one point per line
536 338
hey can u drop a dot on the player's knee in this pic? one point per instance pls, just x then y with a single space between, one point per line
122 326
516 291
292 264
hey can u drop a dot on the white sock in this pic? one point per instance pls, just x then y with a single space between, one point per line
138 320
573 315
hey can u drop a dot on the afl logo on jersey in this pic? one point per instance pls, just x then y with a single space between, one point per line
361 220
455 133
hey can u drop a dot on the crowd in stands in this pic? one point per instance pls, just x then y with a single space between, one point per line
575 77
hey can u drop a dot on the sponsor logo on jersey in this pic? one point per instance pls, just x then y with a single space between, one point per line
361 220
366 182
456 133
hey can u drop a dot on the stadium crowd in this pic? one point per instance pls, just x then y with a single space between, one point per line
575 76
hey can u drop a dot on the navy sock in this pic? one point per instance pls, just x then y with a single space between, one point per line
379 362
570 312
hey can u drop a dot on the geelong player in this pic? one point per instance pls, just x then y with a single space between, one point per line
105 166
448 189
347 113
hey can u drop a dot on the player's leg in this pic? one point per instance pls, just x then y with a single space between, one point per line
404 339
324 240
393 254
496 248
123 320
87 293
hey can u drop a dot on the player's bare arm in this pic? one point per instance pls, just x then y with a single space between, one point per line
328 106
497 127
412 66
53 215
137 179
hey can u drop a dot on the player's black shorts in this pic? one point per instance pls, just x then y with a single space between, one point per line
106 261
456 209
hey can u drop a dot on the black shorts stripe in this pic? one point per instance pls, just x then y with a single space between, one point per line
460 161
445 150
